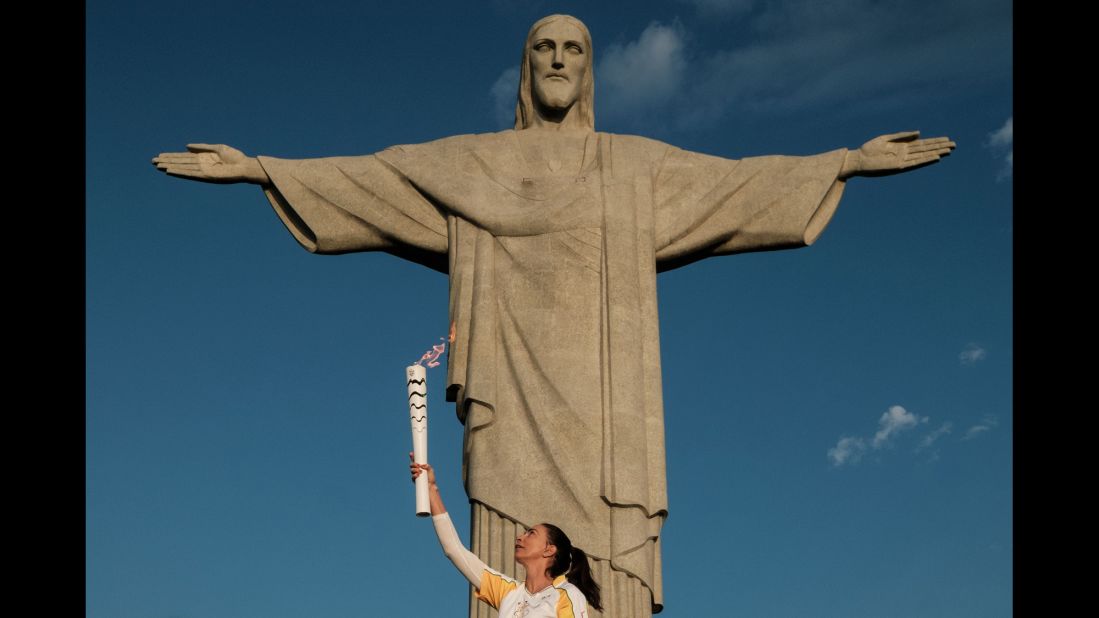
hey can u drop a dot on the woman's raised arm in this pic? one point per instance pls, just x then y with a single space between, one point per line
467 562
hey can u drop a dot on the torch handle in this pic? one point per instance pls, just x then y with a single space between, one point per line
419 455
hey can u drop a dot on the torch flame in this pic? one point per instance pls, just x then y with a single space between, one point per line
432 355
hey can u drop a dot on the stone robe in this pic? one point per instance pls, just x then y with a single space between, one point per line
555 368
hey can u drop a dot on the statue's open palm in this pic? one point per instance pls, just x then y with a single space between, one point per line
215 163
901 152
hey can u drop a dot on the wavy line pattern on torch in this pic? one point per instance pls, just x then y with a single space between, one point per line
419 407
419 419
420 381
424 395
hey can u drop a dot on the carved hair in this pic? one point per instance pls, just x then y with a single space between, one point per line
524 107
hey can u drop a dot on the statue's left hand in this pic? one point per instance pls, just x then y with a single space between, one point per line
215 163
895 153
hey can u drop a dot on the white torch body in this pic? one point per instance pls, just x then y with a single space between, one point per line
417 413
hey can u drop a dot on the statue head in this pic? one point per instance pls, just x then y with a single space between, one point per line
556 74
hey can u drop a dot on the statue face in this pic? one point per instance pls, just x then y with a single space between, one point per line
558 64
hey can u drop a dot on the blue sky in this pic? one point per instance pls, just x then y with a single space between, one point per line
246 428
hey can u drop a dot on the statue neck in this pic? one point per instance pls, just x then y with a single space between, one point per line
562 119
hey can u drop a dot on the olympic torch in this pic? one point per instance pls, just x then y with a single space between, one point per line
417 414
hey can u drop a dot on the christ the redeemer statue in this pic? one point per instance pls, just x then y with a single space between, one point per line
552 235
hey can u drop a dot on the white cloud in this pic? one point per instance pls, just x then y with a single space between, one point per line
504 93
1004 138
971 354
987 423
893 422
806 52
975 431
641 75
847 450
930 438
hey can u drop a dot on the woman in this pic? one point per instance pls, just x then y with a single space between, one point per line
559 582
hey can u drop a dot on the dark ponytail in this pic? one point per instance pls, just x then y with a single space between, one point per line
573 562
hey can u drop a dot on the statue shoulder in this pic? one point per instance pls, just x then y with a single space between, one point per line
638 148
636 141
451 146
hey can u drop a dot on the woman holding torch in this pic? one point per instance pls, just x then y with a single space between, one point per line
559 583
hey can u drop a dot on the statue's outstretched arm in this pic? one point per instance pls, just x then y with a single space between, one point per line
215 163
894 154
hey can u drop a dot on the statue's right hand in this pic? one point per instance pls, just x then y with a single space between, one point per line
216 163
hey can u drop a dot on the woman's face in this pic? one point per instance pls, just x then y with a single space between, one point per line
533 544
